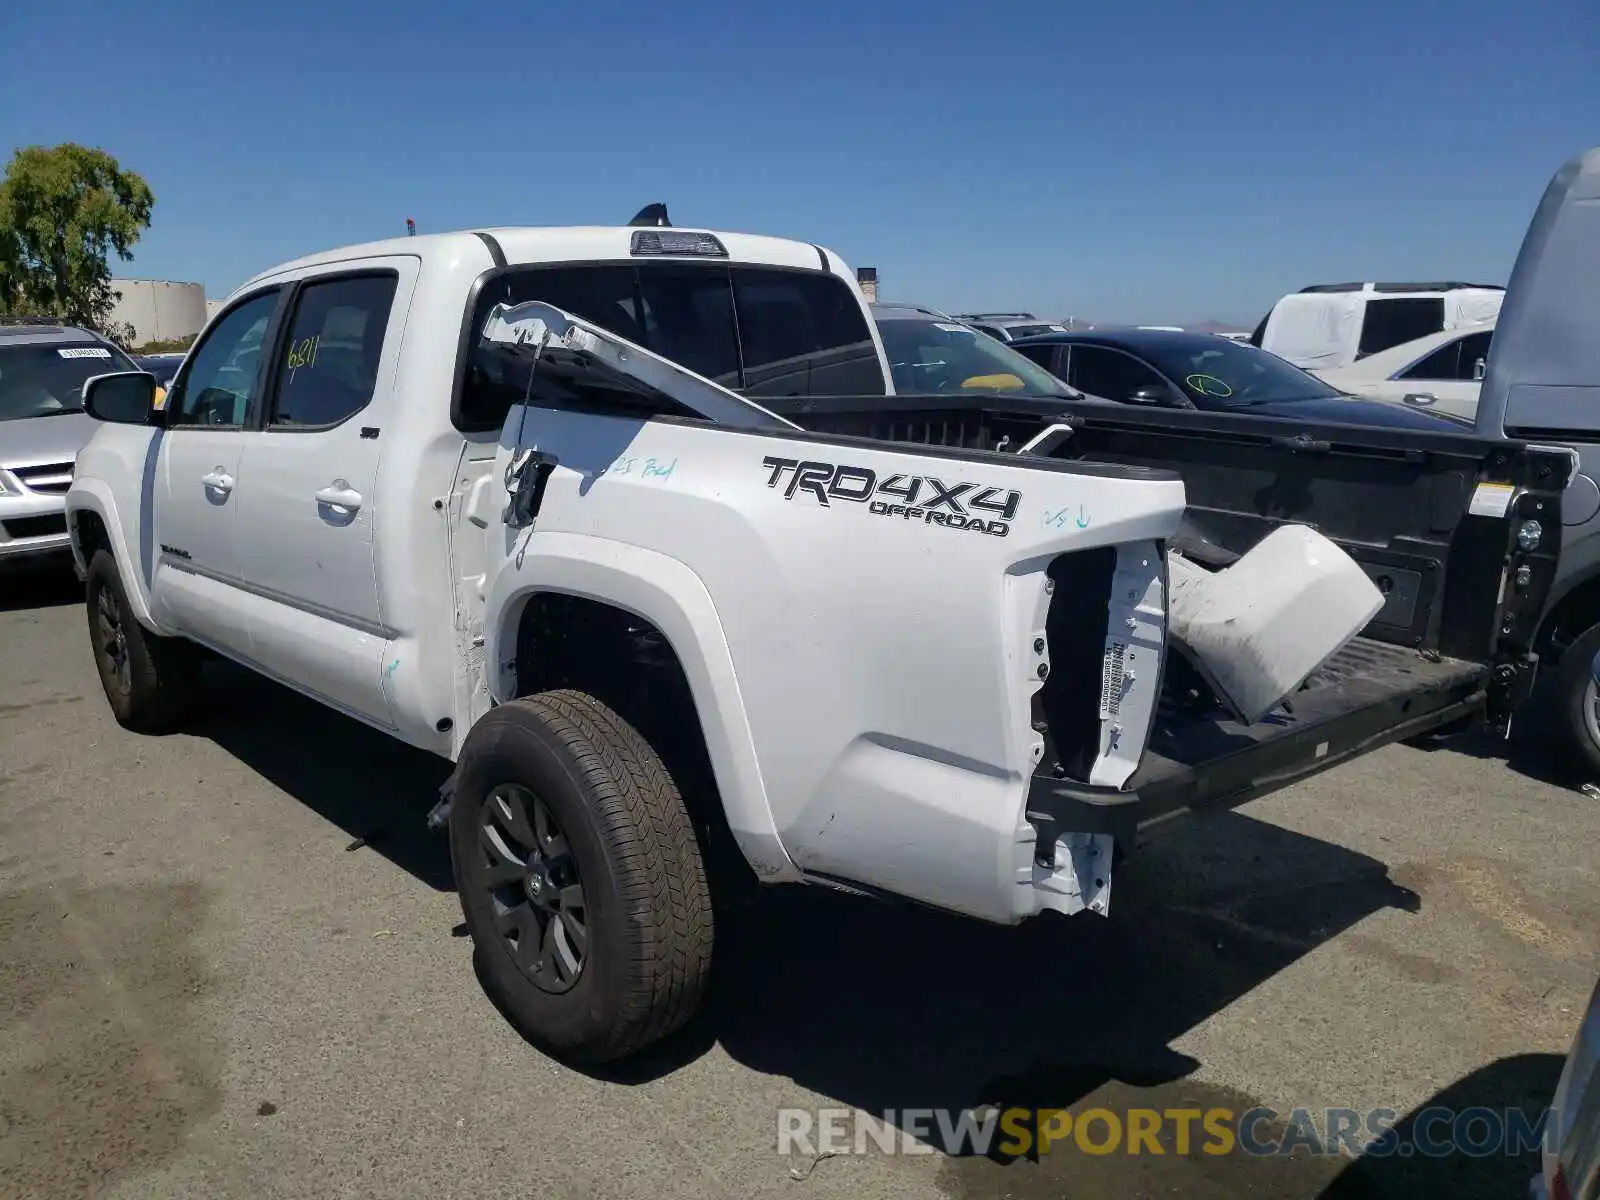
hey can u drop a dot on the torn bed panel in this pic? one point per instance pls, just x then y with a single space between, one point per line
1258 628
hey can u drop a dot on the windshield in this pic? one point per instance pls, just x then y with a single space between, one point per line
942 356
46 379
1218 373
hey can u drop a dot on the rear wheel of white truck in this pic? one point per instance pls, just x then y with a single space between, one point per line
580 877
151 682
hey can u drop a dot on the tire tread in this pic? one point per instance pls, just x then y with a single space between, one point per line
165 672
662 885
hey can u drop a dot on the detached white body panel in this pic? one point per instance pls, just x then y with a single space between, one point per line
1258 628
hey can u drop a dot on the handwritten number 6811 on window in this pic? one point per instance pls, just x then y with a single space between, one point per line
303 354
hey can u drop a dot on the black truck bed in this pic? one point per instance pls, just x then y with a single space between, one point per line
1452 643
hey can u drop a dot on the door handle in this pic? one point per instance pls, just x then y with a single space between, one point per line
339 494
1301 443
217 480
1420 399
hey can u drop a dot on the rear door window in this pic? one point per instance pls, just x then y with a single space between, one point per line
1043 354
1110 374
1390 322
329 367
1461 360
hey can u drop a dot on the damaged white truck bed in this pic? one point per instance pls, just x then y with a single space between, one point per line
464 489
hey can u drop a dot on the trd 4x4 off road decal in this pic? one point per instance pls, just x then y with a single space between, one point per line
910 497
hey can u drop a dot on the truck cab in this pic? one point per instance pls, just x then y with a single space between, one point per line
284 526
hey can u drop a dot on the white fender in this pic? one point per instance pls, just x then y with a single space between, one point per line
673 598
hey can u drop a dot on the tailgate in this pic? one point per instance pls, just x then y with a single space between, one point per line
1366 696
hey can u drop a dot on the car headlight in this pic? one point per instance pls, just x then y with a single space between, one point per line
1529 535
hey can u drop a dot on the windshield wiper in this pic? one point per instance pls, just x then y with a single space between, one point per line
49 412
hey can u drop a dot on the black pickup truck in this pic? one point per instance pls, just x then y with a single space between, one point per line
1433 518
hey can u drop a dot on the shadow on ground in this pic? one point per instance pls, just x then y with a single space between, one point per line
1534 748
367 783
881 1007
43 583
1525 1083
889 1007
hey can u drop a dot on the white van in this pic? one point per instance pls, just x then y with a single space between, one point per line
1335 324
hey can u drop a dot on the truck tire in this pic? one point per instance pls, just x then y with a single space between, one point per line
152 683
579 877
1575 701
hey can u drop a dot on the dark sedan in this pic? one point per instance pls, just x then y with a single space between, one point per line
1163 368
163 366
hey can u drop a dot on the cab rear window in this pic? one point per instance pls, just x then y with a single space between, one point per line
760 331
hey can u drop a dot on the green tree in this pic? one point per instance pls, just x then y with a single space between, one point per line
64 210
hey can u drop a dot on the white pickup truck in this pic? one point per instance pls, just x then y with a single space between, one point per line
629 524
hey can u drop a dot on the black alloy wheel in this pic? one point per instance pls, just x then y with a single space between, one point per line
534 884
111 641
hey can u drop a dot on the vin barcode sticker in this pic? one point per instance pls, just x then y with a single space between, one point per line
1111 679
84 352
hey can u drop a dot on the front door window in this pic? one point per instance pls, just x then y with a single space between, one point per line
222 376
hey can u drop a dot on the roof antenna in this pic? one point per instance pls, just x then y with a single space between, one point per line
651 214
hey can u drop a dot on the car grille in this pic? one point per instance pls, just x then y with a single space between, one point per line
48 478
32 527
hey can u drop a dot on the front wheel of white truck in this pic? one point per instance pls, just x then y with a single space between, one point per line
580 877
152 683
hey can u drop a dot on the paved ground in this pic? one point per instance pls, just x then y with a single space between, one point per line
208 991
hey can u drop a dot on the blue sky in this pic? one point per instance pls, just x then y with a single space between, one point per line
1158 161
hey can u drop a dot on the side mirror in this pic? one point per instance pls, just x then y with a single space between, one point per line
1149 394
124 398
